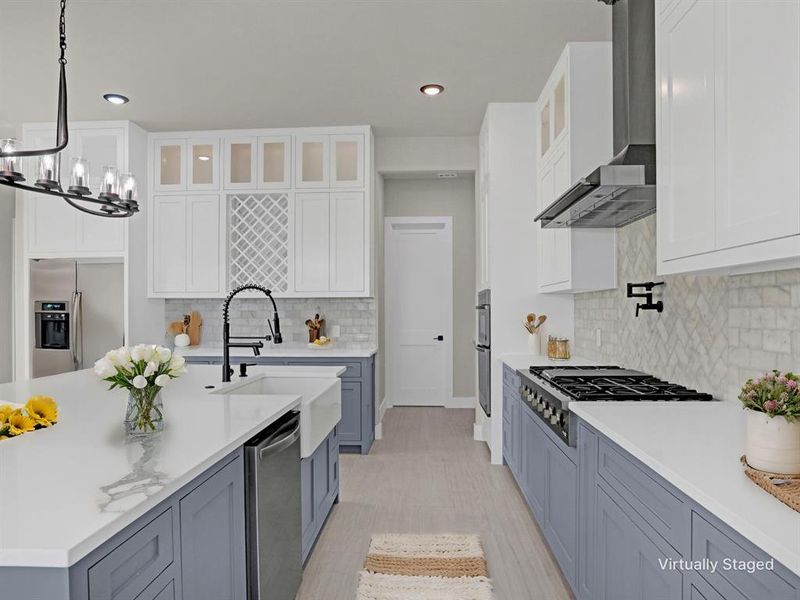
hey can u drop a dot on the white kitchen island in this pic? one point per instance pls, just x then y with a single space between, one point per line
67 490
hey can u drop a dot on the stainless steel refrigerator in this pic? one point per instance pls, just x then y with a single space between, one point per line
77 313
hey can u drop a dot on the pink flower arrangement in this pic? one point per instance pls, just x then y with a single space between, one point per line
775 393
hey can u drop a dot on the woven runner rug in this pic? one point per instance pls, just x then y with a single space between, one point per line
424 567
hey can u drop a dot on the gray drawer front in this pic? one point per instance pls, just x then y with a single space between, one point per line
510 377
127 570
353 369
159 591
710 542
663 510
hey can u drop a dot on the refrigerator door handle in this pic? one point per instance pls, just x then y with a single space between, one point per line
76 327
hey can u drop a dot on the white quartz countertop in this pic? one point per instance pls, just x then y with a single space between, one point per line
523 361
696 446
333 350
67 489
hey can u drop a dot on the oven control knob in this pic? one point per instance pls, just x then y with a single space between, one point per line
547 412
554 419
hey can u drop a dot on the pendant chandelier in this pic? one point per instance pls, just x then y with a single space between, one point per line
117 194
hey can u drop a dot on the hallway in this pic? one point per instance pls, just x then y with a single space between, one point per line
427 475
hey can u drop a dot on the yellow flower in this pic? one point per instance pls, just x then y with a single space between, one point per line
19 423
5 411
43 410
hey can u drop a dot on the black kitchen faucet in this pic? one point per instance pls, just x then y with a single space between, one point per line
227 344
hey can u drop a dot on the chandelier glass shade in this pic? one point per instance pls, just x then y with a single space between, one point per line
116 196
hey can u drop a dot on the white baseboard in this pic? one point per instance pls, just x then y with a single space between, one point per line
477 432
460 402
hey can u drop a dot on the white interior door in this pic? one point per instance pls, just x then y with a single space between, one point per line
419 310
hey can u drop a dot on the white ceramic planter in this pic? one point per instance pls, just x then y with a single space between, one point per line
772 444
534 347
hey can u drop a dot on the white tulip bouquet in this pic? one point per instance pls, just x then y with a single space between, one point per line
144 371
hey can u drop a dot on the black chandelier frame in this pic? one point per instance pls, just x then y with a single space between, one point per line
105 204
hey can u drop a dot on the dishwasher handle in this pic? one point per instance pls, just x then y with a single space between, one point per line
286 434
281 444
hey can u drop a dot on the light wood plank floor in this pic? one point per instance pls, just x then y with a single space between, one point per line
429 476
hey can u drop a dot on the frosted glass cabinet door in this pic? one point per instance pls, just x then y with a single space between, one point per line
203 164
240 163
170 165
312 161
347 161
544 129
559 108
275 162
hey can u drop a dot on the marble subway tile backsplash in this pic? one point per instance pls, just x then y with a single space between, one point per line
714 333
356 317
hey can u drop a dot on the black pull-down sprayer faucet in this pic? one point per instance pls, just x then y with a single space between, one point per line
227 344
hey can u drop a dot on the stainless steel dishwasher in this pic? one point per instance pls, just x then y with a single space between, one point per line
272 504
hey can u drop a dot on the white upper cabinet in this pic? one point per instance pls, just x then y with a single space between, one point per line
577 91
181 164
293 211
241 157
275 162
347 161
187 241
202 162
728 135
312 161
54 228
169 166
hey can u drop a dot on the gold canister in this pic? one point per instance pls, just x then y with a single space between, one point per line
557 348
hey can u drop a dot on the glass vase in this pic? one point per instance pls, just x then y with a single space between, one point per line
145 412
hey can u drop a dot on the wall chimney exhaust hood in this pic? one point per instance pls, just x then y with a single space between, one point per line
624 190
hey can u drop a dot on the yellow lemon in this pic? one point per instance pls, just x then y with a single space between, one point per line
43 410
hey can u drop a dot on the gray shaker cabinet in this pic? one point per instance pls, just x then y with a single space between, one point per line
319 489
213 538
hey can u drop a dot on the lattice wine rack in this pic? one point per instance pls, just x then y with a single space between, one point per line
259 240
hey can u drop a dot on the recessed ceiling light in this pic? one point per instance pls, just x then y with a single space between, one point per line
203 157
116 98
432 89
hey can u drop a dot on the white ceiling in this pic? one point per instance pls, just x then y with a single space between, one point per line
213 64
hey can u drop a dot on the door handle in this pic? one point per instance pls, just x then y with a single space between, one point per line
438 338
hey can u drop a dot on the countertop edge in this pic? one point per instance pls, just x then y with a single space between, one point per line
64 559
786 556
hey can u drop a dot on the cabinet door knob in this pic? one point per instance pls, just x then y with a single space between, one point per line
438 338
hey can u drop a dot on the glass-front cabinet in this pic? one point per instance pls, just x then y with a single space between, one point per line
275 162
312 160
186 164
240 163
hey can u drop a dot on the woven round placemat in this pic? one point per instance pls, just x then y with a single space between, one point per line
785 488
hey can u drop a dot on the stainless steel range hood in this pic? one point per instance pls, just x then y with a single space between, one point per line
624 190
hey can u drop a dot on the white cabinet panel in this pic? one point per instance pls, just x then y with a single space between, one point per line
347 161
101 147
312 161
312 242
758 121
562 238
203 245
169 244
347 214
686 185
275 162
169 165
240 169
202 164
728 135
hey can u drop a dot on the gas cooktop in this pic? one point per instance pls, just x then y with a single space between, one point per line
549 390
609 384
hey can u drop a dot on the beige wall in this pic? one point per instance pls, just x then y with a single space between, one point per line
447 198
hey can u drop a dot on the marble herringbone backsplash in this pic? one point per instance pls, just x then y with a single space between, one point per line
714 333
356 317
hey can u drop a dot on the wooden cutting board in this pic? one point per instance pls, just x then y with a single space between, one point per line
195 331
